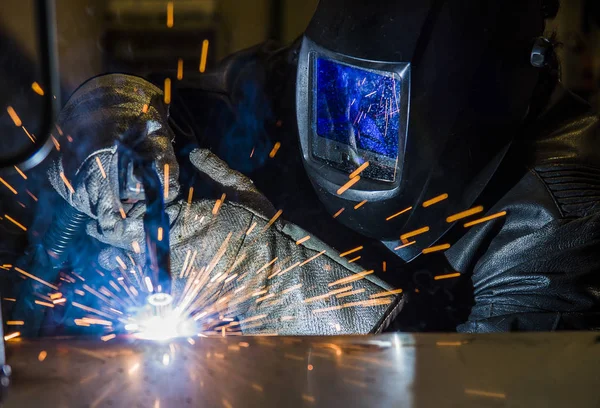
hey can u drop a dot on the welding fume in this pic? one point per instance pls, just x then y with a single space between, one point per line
415 166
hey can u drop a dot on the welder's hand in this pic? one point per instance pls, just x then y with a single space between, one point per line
108 116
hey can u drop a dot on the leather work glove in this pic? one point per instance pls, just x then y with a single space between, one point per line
234 258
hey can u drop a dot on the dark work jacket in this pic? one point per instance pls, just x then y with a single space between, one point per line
537 268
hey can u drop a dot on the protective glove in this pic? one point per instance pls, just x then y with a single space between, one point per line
234 258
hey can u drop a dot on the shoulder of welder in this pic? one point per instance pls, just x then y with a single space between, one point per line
240 92
564 154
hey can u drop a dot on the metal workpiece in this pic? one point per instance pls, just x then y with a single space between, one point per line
393 370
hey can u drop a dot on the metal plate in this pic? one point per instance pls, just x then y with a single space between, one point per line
395 370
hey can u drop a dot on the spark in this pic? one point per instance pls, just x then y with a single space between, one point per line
160 233
341 210
218 204
357 206
108 337
464 214
39 302
20 172
359 170
166 182
267 265
31 195
59 301
302 240
384 266
167 96
260 299
145 108
204 56
42 356
485 394
312 258
328 294
353 292
15 322
10 299
251 228
386 293
8 186
90 309
349 184
120 262
435 200
64 179
12 336
190 195
275 149
447 276
13 115
351 251
37 89
398 213
100 167
354 259
56 295
136 247
252 153
405 245
148 284
191 341
29 135
170 14
348 279
310 367
133 368
289 268
448 343
272 220
226 404
97 321
414 233
79 322
56 144
364 303
291 288
243 344
180 69
484 219
436 248
22 272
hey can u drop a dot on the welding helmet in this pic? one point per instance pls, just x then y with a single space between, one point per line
430 93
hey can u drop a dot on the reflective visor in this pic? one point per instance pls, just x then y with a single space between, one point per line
357 115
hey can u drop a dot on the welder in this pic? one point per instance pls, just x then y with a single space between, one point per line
431 141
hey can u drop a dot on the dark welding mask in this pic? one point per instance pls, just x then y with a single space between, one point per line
406 108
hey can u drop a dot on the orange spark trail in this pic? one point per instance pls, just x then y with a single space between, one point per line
167 96
180 69
37 89
357 206
302 240
39 302
414 233
18 224
12 336
8 186
384 266
100 167
464 214
348 279
351 251
20 172
170 14
398 213
56 144
448 343
29 135
272 220
204 56
354 292
267 265
15 323
486 394
122 212
484 219
359 170
108 337
447 276
341 210
64 179
354 259
190 195
405 245
435 200
275 149
349 184
386 293
166 182
13 115
328 294
312 258
364 303
145 108
218 204
160 233
22 272
436 248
